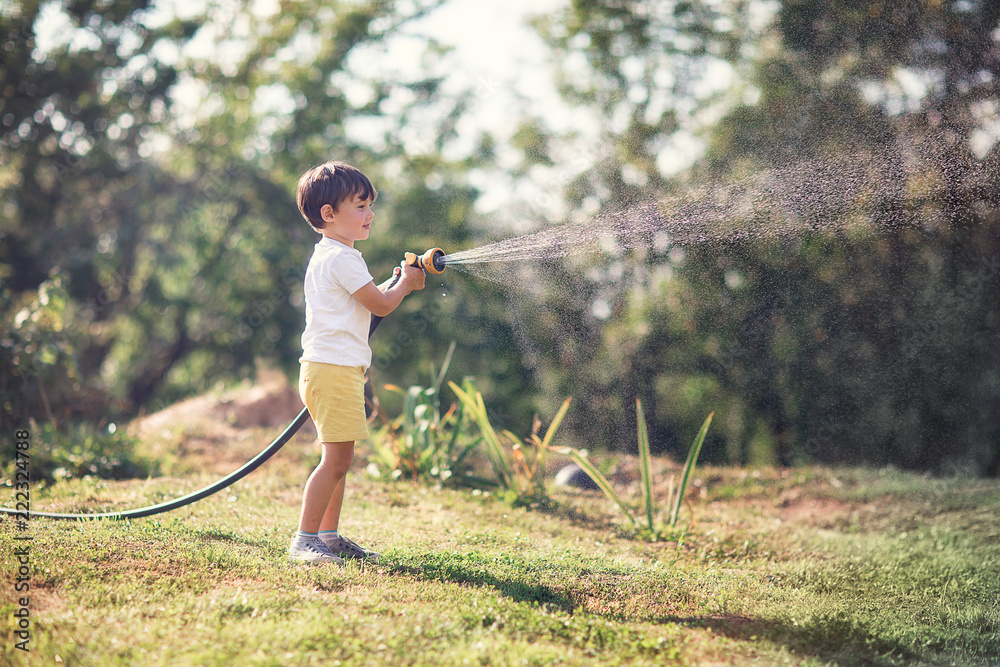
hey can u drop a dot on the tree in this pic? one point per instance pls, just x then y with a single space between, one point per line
176 253
840 300
74 122
894 88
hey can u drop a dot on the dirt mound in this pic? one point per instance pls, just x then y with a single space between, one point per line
220 430
270 402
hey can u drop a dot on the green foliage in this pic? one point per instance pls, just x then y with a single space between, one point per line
472 400
78 117
650 531
529 458
174 237
645 466
580 457
421 444
521 475
171 256
39 364
850 327
78 450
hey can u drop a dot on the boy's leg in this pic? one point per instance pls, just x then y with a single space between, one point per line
331 518
340 545
325 485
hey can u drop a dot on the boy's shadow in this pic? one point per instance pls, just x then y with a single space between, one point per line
514 588
830 639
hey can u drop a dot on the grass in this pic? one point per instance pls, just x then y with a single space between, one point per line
778 567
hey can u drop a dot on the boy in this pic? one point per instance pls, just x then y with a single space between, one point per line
335 198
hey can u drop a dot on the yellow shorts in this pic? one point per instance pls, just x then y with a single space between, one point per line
335 397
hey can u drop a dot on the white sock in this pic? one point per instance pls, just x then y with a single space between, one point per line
303 534
327 534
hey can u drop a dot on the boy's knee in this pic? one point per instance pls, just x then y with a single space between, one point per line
339 456
344 463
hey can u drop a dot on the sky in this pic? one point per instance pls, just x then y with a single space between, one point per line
499 56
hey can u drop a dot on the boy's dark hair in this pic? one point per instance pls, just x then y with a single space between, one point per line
330 183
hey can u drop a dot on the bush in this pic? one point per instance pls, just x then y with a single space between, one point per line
79 450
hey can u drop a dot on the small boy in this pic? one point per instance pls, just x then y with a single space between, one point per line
336 198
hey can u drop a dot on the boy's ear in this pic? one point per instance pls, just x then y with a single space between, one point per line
326 212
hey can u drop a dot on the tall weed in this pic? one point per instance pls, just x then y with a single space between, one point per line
675 497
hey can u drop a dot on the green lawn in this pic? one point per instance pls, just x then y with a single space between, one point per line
798 567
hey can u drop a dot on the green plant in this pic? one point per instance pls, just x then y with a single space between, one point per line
529 476
522 474
692 459
79 449
37 356
422 444
675 497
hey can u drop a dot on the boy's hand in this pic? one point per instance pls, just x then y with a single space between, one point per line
411 276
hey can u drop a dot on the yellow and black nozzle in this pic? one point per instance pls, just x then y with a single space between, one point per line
431 261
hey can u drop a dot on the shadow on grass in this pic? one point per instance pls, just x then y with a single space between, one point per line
833 639
577 517
227 537
470 574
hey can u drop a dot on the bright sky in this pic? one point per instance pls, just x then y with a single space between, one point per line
491 36
508 66
495 54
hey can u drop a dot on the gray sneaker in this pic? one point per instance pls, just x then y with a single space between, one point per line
346 548
311 550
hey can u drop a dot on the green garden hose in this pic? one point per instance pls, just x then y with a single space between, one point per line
209 490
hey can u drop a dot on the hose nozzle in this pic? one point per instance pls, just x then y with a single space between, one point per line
431 261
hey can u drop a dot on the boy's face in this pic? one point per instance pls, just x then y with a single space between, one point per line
350 222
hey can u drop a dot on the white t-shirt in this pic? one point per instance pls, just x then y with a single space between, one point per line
336 323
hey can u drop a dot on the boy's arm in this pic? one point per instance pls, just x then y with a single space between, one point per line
383 299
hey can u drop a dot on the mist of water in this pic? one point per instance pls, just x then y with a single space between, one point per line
812 195
855 194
